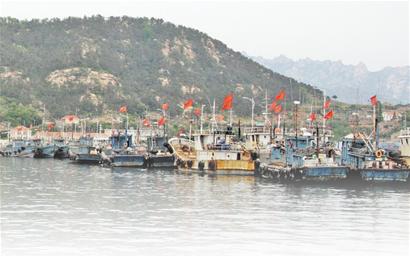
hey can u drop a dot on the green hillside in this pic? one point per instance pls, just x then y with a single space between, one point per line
93 65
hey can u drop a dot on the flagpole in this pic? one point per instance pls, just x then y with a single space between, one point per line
266 107
201 119
324 114
375 126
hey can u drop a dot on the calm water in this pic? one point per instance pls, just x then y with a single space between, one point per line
53 207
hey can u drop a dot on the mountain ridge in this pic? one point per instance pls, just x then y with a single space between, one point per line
350 83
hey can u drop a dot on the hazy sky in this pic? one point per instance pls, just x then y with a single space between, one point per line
376 33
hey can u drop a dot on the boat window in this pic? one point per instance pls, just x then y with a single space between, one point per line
238 156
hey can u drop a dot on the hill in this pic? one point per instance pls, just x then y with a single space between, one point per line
93 65
350 83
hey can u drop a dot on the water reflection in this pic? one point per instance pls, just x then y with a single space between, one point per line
53 207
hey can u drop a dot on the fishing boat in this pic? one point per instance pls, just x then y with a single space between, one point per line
305 155
122 152
20 148
45 150
258 139
300 158
214 152
369 163
86 151
367 160
61 149
55 149
160 154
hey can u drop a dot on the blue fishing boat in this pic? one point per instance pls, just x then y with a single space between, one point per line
369 163
297 158
123 153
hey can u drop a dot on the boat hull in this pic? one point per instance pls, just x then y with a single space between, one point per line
217 172
88 159
44 152
137 161
324 173
163 162
379 175
62 152
319 173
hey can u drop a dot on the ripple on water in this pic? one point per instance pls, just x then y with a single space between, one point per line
54 207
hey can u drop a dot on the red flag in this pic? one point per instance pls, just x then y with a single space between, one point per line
70 118
312 116
188 103
165 106
228 100
281 95
273 105
373 100
123 109
326 105
161 121
278 108
329 115
146 122
197 112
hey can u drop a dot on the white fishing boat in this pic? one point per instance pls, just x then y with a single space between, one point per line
217 152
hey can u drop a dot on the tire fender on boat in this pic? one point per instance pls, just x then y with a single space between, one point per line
212 165
201 166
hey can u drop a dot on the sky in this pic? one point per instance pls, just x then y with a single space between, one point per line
375 33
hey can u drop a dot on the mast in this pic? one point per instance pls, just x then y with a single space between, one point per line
214 125
266 108
317 140
201 119
375 126
324 114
